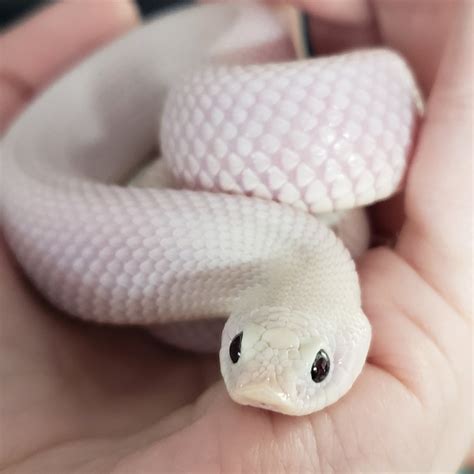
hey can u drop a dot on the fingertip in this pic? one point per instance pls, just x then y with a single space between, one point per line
113 18
128 12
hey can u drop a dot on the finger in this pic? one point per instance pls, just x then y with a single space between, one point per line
418 30
40 48
341 25
437 236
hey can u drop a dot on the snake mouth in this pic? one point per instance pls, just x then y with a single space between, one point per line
263 396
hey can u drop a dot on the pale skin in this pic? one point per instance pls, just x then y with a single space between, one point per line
77 398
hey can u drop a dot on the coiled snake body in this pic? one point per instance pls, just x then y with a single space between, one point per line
316 136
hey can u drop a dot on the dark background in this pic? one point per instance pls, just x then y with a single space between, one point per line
12 10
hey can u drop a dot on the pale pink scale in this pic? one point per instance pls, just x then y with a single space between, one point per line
304 175
260 161
289 193
275 178
299 140
253 129
269 143
288 159
334 117
249 180
305 121
234 164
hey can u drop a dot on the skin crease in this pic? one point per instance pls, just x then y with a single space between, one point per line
78 398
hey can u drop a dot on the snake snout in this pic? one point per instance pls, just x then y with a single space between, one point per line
281 338
263 396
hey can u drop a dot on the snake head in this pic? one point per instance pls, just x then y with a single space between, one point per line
283 360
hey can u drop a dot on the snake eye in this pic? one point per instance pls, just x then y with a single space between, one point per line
234 349
320 367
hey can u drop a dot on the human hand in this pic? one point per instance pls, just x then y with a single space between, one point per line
79 397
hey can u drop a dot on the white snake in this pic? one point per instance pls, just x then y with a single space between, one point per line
318 135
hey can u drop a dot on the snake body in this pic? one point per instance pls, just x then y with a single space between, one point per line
261 148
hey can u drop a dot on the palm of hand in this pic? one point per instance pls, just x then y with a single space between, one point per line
93 399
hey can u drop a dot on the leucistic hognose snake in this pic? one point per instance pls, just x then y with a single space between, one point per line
262 148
